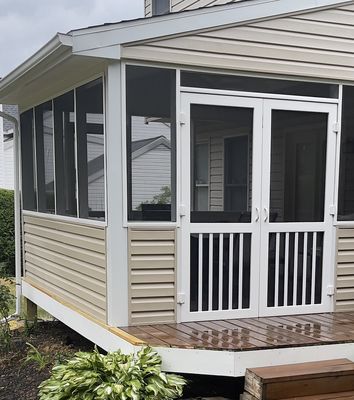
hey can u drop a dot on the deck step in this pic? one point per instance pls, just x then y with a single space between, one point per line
330 396
296 381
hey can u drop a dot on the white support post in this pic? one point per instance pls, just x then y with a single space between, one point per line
17 206
116 250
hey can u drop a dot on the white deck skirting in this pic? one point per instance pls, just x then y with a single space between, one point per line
192 361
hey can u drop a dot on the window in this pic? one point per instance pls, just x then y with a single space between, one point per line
160 7
90 147
45 157
260 85
62 148
346 178
65 159
222 163
201 176
151 94
298 166
236 173
29 195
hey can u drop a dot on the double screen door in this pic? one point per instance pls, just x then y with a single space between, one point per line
258 192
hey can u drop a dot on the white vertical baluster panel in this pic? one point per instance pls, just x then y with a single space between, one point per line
313 278
221 254
296 249
200 272
276 283
210 283
231 268
286 269
304 269
240 270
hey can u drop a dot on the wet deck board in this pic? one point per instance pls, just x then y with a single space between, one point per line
251 333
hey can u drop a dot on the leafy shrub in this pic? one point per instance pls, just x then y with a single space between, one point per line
94 376
7 233
6 297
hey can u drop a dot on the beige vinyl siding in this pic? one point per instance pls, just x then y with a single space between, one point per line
67 260
183 5
216 191
148 8
152 276
317 44
345 270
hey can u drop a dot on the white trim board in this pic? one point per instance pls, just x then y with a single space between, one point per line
192 361
192 20
234 364
85 327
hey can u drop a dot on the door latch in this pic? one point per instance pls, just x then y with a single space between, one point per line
182 118
330 290
181 298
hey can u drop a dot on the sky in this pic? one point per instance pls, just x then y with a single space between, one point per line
26 25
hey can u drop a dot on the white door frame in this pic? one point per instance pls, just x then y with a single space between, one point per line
326 226
260 192
187 228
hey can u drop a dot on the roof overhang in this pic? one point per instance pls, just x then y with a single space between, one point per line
87 49
182 23
50 70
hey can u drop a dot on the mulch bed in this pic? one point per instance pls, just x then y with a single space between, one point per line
19 381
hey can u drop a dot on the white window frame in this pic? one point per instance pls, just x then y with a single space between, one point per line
65 218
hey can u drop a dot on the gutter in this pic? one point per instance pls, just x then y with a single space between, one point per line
17 205
59 40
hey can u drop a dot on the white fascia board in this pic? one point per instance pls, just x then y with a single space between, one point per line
84 326
235 363
59 40
191 21
111 52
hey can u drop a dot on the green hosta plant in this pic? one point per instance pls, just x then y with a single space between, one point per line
94 376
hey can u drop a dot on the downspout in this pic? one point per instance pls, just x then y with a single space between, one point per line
17 206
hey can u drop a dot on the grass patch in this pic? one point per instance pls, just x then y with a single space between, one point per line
10 283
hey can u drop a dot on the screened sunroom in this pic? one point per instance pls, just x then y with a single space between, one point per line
190 174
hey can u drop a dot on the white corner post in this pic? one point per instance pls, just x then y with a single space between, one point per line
17 206
117 247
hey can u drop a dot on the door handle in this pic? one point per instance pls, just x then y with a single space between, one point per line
266 214
257 215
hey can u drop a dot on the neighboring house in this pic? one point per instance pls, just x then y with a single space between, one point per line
7 149
201 173
151 160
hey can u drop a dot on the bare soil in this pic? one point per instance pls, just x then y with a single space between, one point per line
20 380
57 342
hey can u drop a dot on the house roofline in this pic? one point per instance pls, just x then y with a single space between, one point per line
88 41
60 40
175 24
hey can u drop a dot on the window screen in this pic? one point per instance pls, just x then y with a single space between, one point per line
151 143
65 158
221 159
62 145
29 195
90 148
346 177
259 85
45 157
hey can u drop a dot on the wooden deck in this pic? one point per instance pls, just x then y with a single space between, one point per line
251 333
